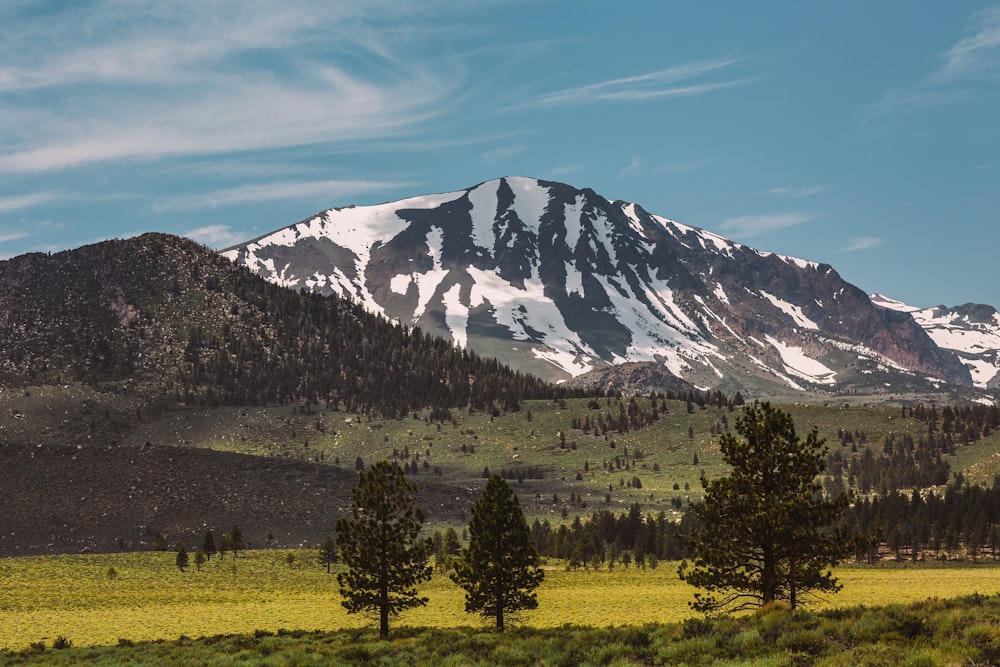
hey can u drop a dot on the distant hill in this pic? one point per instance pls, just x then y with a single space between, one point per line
560 282
170 318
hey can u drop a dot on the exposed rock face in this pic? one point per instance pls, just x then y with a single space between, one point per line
971 331
559 281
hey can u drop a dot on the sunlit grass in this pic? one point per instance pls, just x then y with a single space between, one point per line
147 598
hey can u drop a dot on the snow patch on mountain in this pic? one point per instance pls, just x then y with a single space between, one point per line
484 208
456 315
791 310
529 316
798 363
892 304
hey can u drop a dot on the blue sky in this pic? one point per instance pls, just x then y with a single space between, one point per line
861 134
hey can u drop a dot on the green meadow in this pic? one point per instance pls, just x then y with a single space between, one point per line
668 455
119 598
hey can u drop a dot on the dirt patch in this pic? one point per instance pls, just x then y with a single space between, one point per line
70 499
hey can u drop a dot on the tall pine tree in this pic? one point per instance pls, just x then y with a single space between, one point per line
379 546
499 570
765 531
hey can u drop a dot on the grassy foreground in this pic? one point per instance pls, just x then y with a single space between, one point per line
961 631
94 600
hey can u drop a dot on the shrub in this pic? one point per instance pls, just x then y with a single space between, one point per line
985 639
697 627
61 642
636 637
907 623
802 640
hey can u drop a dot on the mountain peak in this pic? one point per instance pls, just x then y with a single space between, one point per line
559 281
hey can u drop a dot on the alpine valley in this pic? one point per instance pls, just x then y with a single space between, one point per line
572 287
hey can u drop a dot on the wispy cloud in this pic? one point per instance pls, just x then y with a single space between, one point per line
912 100
26 201
565 170
754 225
974 56
669 82
186 78
630 168
261 192
861 243
502 153
7 235
976 53
796 192
215 236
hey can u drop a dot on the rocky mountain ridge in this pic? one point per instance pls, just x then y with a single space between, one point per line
560 282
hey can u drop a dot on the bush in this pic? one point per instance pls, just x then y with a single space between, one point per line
986 640
697 627
636 637
802 640
61 642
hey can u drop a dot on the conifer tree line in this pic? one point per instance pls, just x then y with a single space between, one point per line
607 538
962 522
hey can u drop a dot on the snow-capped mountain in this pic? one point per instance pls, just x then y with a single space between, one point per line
560 281
972 331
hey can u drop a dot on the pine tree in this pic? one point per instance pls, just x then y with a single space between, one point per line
499 569
199 558
208 544
764 535
182 557
328 552
379 546
236 539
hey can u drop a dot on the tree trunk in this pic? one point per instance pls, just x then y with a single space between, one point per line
768 576
499 611
383 628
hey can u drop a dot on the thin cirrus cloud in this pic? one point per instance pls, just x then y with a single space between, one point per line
18 202
973 56
502 153
257 193
632 167
796 192
861 243
669 82
977 52
7 235
215 236
186 80
755 225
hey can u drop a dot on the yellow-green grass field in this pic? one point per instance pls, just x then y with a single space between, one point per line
77 597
